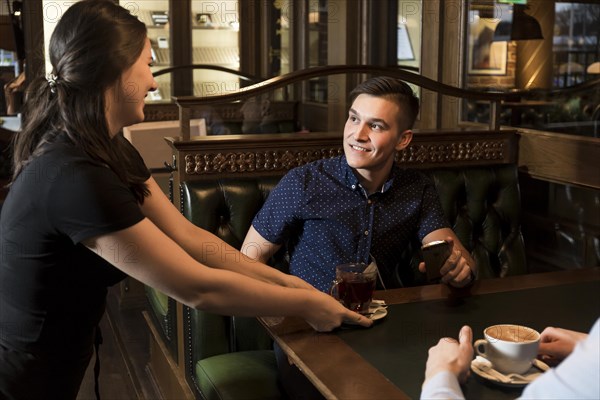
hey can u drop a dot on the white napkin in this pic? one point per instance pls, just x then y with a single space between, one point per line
377 306
373 267
370 268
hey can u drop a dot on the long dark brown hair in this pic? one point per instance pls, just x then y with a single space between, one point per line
94 42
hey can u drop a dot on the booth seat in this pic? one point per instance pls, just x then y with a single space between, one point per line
227 357
254 116
482 205
162 312
231 357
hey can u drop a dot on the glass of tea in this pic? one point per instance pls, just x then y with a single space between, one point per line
353 286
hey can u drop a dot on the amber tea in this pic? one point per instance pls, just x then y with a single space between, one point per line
353 287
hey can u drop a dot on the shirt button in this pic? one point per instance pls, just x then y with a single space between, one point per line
353 186
366 233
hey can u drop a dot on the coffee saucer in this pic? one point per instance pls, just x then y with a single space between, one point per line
484 369
377 311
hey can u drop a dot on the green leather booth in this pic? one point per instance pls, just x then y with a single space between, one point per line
227 357
163 312
222 119
232 358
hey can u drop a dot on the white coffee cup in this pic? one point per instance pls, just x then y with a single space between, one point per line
510 348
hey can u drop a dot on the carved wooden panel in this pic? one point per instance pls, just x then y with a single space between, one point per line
451 152
276 154
268 161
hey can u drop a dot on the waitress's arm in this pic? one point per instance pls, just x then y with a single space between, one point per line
150 256
205 247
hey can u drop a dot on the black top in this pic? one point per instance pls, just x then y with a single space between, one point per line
53 288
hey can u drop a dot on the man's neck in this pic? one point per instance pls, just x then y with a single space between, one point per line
372 181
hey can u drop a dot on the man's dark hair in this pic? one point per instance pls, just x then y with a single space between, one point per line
394 90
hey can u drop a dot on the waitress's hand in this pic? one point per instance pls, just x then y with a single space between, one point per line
324 313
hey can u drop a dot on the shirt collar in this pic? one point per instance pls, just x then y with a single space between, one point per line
352 181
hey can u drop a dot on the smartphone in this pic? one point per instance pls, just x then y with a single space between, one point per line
434 255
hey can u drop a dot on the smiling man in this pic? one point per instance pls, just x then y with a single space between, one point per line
356 207
360 206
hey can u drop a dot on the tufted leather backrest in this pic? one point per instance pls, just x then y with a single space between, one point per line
226 208
483 208
482 205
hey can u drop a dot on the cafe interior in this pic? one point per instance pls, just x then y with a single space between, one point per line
508 131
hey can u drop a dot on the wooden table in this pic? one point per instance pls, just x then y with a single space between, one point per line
387 361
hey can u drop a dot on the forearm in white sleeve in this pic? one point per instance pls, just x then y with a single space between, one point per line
577 377
443 385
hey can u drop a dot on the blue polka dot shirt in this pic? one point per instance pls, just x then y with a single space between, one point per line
325 211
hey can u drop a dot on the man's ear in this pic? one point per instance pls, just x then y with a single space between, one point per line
405 138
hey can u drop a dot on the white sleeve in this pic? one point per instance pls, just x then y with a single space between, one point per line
577 377
442 385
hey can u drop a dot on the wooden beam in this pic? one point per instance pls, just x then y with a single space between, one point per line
561 158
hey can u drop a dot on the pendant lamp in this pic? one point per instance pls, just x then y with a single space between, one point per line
522 27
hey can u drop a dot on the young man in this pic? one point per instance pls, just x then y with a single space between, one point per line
360 206
356 208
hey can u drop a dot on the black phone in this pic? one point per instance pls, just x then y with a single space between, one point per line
434 255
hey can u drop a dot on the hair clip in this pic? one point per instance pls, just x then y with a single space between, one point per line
51 78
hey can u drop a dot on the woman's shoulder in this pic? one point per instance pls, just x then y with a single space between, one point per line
61 161
62 152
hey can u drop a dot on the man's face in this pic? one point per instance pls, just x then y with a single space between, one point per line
372 134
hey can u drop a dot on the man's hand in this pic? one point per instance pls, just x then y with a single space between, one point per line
557 343
456 270
450 355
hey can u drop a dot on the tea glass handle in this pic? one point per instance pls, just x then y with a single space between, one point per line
334 289
481 347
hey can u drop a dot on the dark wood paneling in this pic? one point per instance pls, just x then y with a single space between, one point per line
181 42
560 158
33 30
250 37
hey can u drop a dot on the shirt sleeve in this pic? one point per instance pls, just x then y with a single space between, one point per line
577 377
87 199
432 215
281 208
443 385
